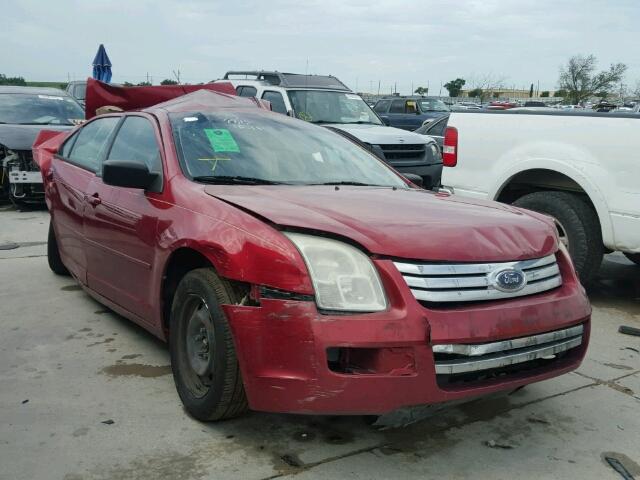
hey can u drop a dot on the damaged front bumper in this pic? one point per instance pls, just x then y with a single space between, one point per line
295 359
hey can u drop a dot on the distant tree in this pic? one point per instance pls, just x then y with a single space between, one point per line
545 93
455 86
19 81
531 91
144 84
560 93
422 90
487 84
168 81
476 93
579 79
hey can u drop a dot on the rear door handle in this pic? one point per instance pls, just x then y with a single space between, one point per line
94 200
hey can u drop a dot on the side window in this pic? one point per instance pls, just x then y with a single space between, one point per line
277 102
411 107
382 106
68 143
437 129
397 106
89 147
136 142
247 91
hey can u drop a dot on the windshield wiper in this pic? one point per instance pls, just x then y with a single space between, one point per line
360 122
322 121
357 184
43 123
234 180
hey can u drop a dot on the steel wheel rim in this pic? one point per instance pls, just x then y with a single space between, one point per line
199 338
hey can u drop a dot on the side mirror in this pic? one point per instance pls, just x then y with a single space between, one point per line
413 178
124 173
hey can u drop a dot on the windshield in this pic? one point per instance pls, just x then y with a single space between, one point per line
29 109
331 107
432 105
263 147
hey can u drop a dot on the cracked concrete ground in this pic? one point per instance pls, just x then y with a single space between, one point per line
85 394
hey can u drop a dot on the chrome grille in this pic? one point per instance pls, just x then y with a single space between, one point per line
467 282
462 358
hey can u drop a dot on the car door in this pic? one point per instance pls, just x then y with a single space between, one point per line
397 115
73 170
120 223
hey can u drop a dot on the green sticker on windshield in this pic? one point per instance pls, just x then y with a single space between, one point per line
221 140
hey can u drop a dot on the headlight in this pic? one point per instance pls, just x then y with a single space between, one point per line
343 277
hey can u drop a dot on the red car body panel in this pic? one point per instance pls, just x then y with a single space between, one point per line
120 248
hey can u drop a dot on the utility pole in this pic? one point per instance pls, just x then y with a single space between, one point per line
378 87
412 87
176 73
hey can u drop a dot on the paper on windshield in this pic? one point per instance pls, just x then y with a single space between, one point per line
50 97
221 140
351 96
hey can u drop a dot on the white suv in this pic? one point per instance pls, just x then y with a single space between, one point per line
325 100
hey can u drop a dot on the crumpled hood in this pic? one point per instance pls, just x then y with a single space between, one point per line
411 224
21 137
380 134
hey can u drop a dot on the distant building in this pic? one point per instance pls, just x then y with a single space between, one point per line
506 93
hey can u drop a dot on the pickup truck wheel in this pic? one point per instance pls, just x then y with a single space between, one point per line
634 257
203 357
53 254
578 227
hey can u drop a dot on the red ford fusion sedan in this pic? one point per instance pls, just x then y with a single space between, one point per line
291 270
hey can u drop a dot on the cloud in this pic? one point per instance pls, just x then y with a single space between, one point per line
359 41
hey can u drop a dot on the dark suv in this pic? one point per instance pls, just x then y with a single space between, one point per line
409 113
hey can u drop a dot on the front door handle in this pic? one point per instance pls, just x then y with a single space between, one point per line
94 200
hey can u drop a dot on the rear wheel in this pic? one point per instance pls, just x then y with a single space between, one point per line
634 257
53 254
203 357
577 224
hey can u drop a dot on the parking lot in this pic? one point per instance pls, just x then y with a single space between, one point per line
85 394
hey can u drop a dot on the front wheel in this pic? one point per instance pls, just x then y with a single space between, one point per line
634 257
203 357
53 254
577 224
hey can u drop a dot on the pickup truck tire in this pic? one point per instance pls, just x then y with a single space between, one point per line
634 257
53 254
203 357
581 225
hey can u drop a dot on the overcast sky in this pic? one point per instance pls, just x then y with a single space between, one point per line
360 41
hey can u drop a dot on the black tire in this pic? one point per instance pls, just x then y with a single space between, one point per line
53 254
218 393
580 223
634 257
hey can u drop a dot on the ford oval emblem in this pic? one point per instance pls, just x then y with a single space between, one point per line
509 280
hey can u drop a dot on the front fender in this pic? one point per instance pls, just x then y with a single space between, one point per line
575 171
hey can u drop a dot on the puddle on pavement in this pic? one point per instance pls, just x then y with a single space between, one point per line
70 288
136 370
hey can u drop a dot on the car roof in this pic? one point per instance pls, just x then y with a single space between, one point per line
33 91
203 99
290 80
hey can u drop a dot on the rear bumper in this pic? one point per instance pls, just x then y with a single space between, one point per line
287 350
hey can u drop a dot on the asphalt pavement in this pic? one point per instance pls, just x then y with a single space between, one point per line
86 394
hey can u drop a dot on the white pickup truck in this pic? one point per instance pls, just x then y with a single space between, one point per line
582 169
